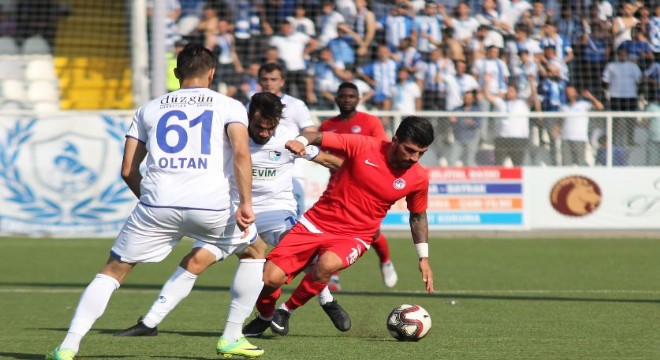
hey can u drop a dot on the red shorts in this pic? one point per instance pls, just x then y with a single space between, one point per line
300 247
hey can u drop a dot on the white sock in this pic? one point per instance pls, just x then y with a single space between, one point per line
91 306
325 296
285 308
245 289
177 287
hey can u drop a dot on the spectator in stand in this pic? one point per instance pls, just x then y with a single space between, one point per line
521 41
347 9
324 76
294 48
431 78
489 17
343 46
272 55
365 27
639 49
654 31
407 56
407 97
623 77
172 13
562 45
427 30
552 94
653 148
207 26
462 23
525 74
575 129
381 76
569 25
604 9
191 14
484 37
397 25
300 22
512 131
249 84
622 25
493 69
511 12
452 47
250 29
465 81
327 22
539 18
595 52
551 60
229 65
466 131
619 153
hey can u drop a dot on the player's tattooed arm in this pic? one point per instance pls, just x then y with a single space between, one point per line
420 233
314 138
419 227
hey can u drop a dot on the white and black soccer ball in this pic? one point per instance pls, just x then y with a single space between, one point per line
408 322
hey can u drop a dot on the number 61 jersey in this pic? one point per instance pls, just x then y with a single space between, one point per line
189 160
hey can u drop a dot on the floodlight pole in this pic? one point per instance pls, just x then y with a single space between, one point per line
158 49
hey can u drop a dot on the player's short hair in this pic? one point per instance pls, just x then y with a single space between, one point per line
416 129
270 67
268 105
347 85
194 60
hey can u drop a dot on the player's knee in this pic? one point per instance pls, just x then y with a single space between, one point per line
256 250
197 261
273 277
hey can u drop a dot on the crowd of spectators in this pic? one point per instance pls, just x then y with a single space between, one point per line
513 56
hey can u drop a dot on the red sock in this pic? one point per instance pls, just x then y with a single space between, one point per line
382 249
266 303
306 290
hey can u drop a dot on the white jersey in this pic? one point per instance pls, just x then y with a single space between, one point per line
295 115
189 160
272 172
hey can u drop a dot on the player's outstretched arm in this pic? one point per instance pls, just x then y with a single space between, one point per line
419 228
238 136
328 160
134 153
297 145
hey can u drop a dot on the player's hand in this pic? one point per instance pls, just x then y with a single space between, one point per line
427 274
244 216
295 147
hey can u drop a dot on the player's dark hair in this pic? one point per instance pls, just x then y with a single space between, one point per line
416 129
347 85
270 67
268 105
194 60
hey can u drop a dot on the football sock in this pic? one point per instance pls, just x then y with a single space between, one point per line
245 289
177 287
307 289
325 296
266 303
91 306
382 248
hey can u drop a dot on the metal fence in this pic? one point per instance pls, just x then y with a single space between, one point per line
606 139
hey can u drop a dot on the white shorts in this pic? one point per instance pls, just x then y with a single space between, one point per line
150 233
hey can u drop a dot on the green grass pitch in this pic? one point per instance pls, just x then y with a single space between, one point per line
498 298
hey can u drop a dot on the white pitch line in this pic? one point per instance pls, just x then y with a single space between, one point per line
438 292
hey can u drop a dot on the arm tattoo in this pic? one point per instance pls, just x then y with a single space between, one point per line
314 138
419 227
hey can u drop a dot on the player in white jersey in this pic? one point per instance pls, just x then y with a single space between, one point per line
296 117
272 200
196 142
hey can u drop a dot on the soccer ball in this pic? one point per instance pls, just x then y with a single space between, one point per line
408 322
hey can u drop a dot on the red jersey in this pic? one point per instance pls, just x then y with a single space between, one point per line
361 123
365 188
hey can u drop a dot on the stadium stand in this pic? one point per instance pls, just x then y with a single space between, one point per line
610 48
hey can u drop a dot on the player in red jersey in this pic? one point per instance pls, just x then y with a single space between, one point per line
351 121
339 228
